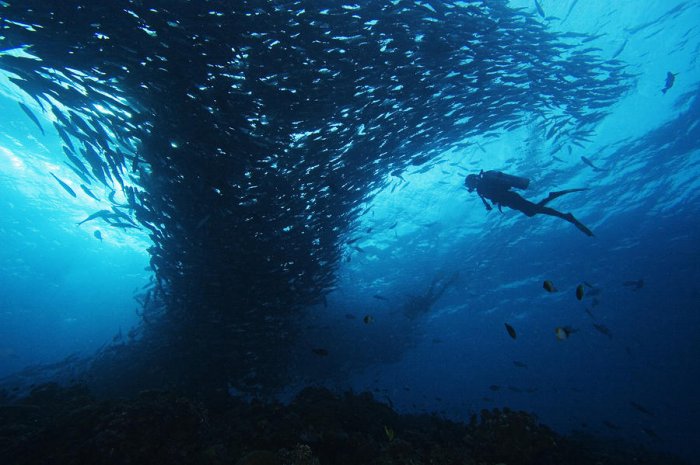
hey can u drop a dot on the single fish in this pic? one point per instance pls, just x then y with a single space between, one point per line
590 163
620 49
98 234
320 352
88 192
571 8
611 425
563 332
636 285
368 319
379 297
540 11
549 286
64 185
100 214
33 117
641 409
519 364
670 79
579 292
511 331
602 329
121 224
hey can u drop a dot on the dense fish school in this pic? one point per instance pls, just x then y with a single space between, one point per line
248 136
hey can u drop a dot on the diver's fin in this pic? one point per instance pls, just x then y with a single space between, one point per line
554 195
571 219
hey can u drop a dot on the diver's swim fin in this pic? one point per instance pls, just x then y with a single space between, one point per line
554 195
571 219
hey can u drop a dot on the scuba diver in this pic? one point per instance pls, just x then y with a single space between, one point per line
495 186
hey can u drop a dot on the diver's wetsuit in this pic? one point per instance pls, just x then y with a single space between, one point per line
502 196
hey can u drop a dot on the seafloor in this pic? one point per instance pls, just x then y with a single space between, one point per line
56 425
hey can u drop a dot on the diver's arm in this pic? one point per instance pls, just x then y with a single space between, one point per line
486 204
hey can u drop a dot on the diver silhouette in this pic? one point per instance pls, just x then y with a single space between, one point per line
495 186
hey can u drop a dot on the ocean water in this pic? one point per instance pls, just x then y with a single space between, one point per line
304 201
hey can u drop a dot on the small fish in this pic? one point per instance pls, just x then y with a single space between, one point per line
64 185
641 408
602 329
495 387
519 364
670 79
100 214
610 425
563 332
379 297
590 163
588 310
350 316
320 352
88 192
511 331
98 234
549 286
121 224
579 292
638 284
651 433
368 319
620 49
34 119
540 11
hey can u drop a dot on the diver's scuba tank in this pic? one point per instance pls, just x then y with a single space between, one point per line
505 180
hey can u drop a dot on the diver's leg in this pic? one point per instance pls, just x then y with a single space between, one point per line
554 195
567 217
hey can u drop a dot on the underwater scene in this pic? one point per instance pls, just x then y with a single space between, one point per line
268 232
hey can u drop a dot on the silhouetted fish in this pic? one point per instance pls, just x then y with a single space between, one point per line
32 116
64 185
88 192
636 285
590 163
540 11
602 329
670 79
641 408
511 331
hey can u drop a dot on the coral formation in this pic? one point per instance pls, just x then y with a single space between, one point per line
69 426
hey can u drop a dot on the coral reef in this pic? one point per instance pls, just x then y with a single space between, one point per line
60 425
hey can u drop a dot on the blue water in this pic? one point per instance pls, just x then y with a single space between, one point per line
65 292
